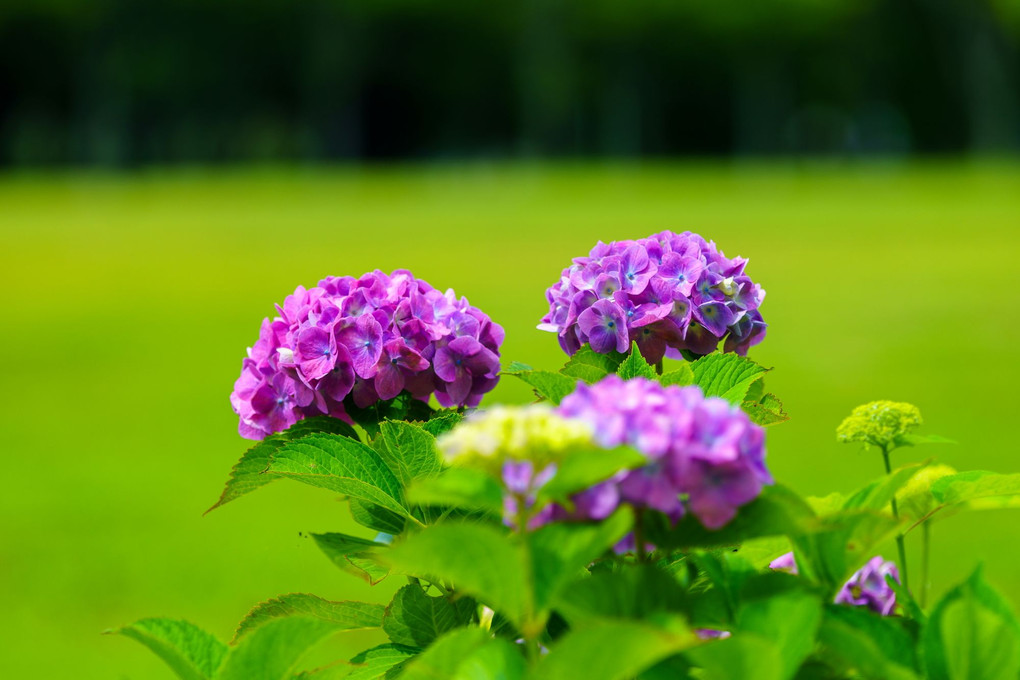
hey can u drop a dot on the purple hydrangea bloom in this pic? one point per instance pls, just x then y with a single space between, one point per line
668 292
356 341
705 456
868 587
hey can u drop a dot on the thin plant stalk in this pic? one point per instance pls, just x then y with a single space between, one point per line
658 367
900 543
531 647
925 561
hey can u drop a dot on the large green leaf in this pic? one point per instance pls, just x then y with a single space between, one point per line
974 485
353 555
635 366
857 640
726 375
409 449
467 654
560 551
376 517
342 465
344 615
273 650
414 618
442 421
742 656
381 663
831 548
789 620
548 385
878 494
588 365
189 651
972 634
613 650
459 487
480 560
247 474
681 377
634 592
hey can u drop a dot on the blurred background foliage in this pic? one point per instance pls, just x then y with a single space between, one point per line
120 83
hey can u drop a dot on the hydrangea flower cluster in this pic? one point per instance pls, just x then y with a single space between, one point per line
879 423
364 340
667 292
705 455
866 588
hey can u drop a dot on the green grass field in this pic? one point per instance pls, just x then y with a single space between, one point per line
129 301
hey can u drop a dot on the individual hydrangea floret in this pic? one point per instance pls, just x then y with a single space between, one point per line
352 342
667 292
879 423
704 454
868 586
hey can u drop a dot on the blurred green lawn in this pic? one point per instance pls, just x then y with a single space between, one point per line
129 300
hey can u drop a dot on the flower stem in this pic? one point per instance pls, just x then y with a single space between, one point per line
925 559
639 535
900 543
531 648
658 367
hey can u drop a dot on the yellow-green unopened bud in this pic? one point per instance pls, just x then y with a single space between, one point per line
489 438
879 423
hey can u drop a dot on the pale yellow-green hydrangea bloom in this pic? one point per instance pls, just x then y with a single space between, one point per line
879 423
489 438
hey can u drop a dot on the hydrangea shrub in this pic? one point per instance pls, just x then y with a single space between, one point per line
624 526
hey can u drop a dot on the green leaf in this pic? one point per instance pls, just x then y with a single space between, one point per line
778 511
726 375
352 554
681 377
345 615
921 439
342 465
560 551
878 494
442 422
831 548
409 449
855 641
635 366
382 662
767 411
189 651
415 619
247 474
588 365
517 367
631 593
376 517
481 560
273 650
401 407
744 656
613 650
334 671
789 620
972 633
975 484
467 654
583 469
548 385
459 487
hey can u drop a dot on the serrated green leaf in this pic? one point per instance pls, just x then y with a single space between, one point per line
401 407
972 633
481 560
681 377
247 473
588 365
583 469
409 449
341 465
189 651
767 411
352 554
459 487
381 663
273 650
548 385
560 551
726 375
517 367
415 619
334 671
375 517
467 654
635 366
613 650
344 615
442 422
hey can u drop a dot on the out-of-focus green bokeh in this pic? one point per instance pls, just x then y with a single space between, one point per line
129 299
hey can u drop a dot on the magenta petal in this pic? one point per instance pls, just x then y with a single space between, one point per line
444 365
389 381
459 389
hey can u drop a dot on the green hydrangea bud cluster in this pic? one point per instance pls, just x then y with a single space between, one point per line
535 433
879 423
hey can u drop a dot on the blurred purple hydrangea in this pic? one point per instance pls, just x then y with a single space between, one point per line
667 292
704 455
360 341
866 588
